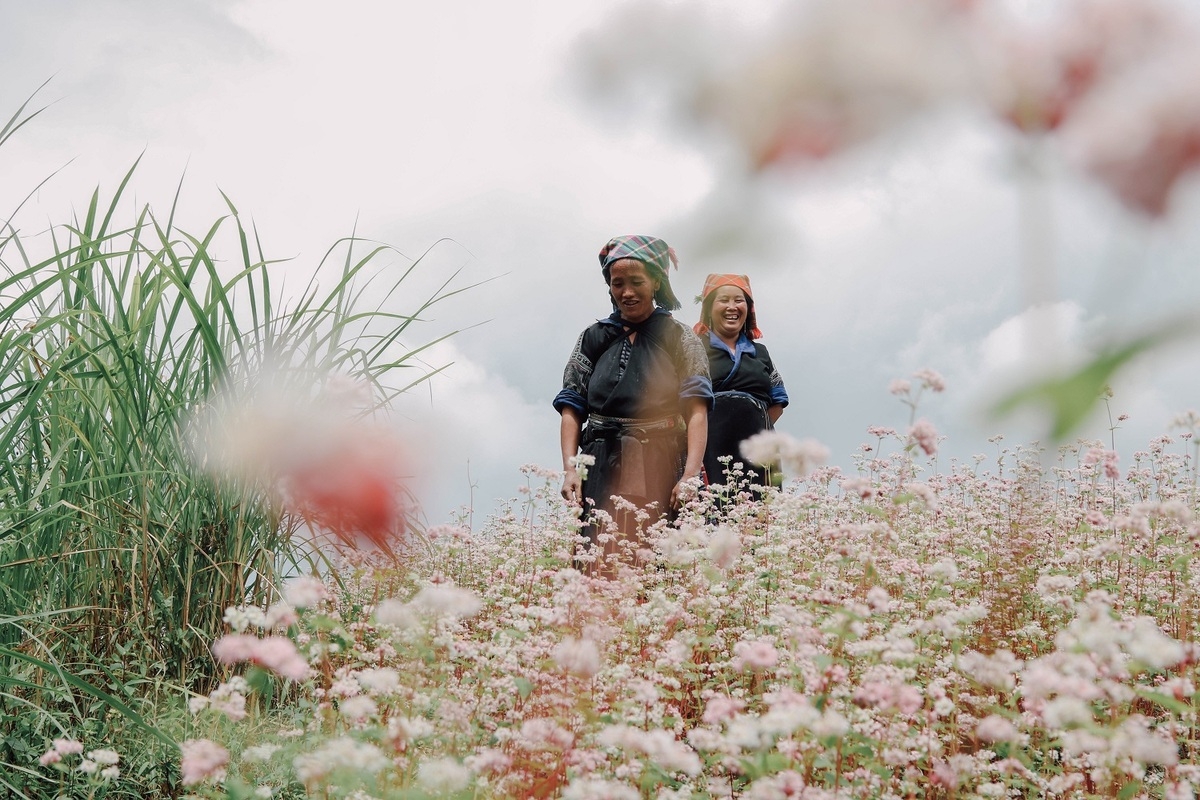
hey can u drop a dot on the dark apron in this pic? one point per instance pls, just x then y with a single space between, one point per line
735 416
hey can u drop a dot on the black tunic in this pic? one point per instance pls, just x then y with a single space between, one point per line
741 399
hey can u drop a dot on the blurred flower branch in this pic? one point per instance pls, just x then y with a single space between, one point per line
1106 87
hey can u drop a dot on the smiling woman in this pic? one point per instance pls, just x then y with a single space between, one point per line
635 399
749 393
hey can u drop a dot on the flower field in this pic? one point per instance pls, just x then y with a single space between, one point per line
1021 626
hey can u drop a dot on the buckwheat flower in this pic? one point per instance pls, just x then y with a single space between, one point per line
1136 740
1150 646
924 435
280 615
995 728
879 600
992 789
358 709
945 570
68 747
1066 712
1178 790
581 462
49 757
305 591
724 547
260 752
409 729
275 653
899 387
381 681
830 724
104 758
545 734
443 776
448 600
397 614
110 773
754 655
203 761
597 789
239 618
722 708
931 380
338 754
88 767
578 656
780 786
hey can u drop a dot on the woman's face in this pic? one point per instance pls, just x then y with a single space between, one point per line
632 289
729 311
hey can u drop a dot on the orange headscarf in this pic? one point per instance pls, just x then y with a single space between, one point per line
714 282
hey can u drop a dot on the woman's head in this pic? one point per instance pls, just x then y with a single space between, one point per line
727 307
655 257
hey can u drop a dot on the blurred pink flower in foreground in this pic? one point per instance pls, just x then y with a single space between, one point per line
819 77
203 760
324 458
799 457
1037 73
275 653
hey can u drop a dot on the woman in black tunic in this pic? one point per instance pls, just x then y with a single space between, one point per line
749 393
635 394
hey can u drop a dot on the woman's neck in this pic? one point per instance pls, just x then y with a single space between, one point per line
730 343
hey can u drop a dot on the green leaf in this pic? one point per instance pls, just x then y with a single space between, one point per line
100 694
524 687
1070 398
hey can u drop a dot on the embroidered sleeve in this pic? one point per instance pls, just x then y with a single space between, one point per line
693 366
779 395
575 380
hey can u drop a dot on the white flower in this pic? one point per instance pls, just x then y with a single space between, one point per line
305 591
994 728
448 600
831 723
397 614
443 775
578 656
260 752
774 447
341 753
378 681
1149 645
357 709
595 789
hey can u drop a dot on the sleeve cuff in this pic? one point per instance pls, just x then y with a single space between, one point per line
779 396
572 398
697 386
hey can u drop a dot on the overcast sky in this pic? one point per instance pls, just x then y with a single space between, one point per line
464 126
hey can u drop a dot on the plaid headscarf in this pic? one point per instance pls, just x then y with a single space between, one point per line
714 282
651 251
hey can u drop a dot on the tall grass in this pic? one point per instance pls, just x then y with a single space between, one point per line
118 556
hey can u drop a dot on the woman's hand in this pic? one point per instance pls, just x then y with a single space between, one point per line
572 488
568 437
685 490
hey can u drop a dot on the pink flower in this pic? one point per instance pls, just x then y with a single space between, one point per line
754 655
203 760
275 653
924 435
722 708
305 591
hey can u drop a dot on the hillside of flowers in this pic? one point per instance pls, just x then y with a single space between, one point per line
1019 626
